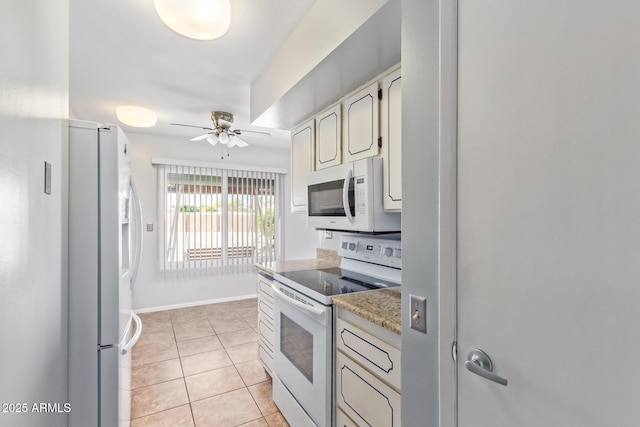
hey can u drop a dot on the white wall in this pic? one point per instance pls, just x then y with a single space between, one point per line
155 291
34 98
428 207
309 44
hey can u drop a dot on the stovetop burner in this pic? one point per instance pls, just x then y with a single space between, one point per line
327 282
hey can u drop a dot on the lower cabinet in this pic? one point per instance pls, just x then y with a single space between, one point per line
265 322
367 375
343 421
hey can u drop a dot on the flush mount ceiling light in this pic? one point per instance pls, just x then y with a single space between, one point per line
196 19
136 116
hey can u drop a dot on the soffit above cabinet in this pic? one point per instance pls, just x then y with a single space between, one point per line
370 50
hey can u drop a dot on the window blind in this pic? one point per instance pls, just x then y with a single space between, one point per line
217 218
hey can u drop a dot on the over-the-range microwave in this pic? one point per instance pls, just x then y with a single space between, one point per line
349 197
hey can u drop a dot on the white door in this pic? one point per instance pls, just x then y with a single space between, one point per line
549 212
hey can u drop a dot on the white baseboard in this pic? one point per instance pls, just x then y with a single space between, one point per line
192 304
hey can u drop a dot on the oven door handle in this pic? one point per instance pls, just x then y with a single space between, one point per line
305 307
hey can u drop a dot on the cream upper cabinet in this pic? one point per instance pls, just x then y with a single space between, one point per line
302 155
391 133
360 128
328 138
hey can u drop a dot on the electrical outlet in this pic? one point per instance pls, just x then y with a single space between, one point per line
418 313
328 234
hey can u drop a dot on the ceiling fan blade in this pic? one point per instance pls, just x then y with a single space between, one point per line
212 139
200 137
191 126
236 141
252 133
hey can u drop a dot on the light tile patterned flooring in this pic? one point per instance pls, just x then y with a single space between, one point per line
198 367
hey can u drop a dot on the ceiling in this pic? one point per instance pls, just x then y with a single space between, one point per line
122 54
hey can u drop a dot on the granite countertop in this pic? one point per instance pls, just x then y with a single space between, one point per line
325 259
380 306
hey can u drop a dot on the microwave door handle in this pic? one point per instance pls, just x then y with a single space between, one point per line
345 196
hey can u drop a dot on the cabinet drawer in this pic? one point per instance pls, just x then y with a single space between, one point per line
265 309
343 421
264 286
265 297
377 356
265 331
266 358
364 397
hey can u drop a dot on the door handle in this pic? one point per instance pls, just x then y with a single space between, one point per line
479 363
345 196
136 335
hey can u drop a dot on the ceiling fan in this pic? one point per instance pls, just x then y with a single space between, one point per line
222 133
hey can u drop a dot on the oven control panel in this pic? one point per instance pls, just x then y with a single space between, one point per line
383 249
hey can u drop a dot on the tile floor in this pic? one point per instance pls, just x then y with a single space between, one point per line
199 367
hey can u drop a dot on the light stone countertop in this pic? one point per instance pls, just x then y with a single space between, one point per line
380 306
325 259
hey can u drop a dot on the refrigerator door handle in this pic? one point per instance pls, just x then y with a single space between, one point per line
128 346
138 252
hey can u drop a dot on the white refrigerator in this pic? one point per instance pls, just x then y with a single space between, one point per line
104 245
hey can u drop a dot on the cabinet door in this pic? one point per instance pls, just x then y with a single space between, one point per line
302 149
363 397
379 357
361 131
328 138
391 133
343 421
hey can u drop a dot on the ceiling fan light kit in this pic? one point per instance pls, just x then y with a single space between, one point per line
196 19
136 116
211 139
223 138
222 133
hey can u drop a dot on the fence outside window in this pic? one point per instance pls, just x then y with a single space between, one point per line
217 217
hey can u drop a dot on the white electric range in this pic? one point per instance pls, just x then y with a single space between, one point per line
303 315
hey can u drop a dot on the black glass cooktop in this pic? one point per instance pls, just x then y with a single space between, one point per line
334 281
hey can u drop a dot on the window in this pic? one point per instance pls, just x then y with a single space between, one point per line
214 217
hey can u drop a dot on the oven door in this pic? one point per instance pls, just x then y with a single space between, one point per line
302 351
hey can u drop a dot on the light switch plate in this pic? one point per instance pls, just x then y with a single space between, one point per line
47 178
418 313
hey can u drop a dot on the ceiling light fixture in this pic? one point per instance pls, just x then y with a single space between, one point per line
223 137
136 116
196 19
212 139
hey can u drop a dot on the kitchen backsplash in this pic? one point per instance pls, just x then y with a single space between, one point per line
328 255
